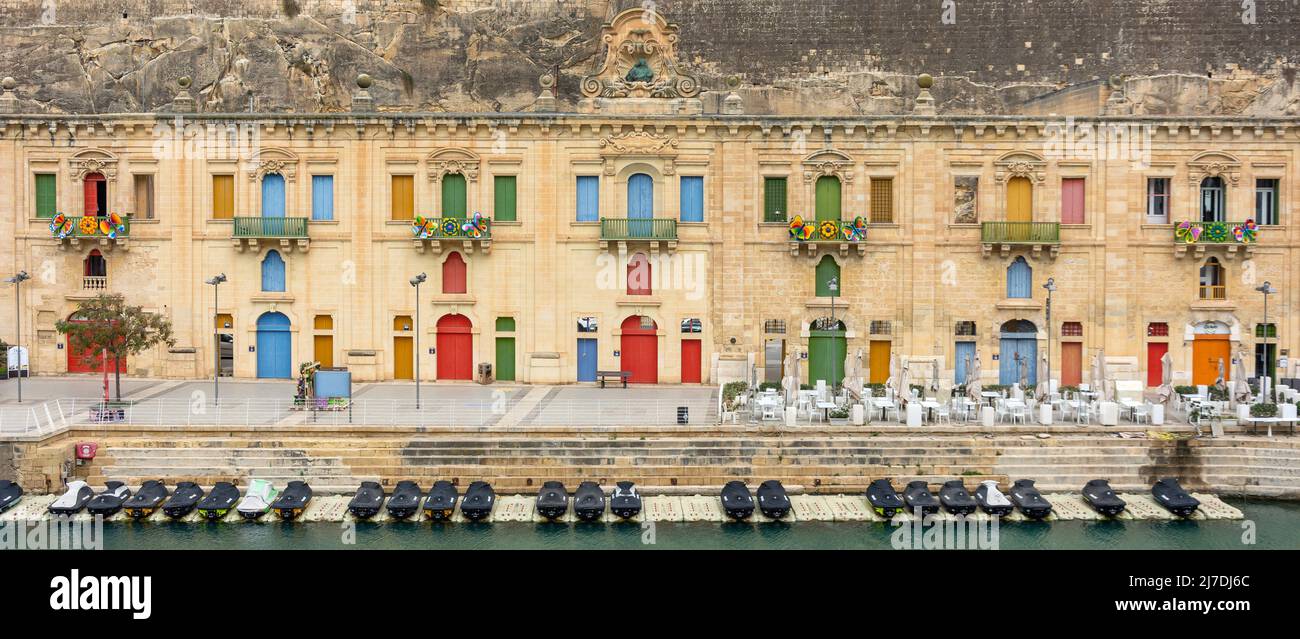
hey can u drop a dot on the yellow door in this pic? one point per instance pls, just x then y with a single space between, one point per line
324 350
879 362
403 358
1207 350
1020 200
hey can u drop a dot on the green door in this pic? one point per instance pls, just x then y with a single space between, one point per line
453 195
506 359
826 351
828 198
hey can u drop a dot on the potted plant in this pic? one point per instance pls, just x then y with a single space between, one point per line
1263 410
840 416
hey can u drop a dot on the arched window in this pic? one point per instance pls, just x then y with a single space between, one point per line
95 271
1020 200
827 198
640 196
273 272
453 195
1212 281
639 275
273 195
1020 279
96 192
829 283
1212 200
453 274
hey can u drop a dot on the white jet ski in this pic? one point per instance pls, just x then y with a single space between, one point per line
257 499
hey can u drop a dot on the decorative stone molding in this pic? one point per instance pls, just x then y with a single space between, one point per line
286 168
828 162
453 161
83 166
640 60
1020 164
1214 164
638 143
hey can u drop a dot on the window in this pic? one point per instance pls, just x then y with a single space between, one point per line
273 195
881 327
223 197
1212 200
143 188
1158 200
588 198
1266 211
323 322
403 197
453 274
1212 278
776 327
774 203
1270 328
505 325
1020 278
96 190
1158 329
273 272
965 328
692 325
1072 201
828 277
95 271
882 200
1072 329
587 325
828 198
692 198
638 275
454 198
46 199
504 197
640 196
322 198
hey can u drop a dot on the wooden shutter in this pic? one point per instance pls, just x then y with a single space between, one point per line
504 198
403 197
828 198
1072 201
453 274
774 200
322 197
46 198
588 198
453 195
223 197
692 200
826 269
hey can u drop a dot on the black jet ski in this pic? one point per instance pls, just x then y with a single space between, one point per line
589 501
625 501
405 500
736 500
10 494
183 502
1029 500
478 501
992 501
73 500
1172 496
1099 495
145 501
552 500
368 500
884 499
442 501
218 502
918 497
955 499
107 503
772 500
292 500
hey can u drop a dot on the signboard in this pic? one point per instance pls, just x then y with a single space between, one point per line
17 353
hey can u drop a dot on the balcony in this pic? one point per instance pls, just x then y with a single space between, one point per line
1213 292
651 230
1008 235
828 235
1233 237
104 231
436 233
286 232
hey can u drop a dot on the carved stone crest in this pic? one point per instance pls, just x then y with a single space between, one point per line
1020 164
640 60
1212 164
638 143
453 161
81 167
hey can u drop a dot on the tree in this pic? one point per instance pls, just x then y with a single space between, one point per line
108 324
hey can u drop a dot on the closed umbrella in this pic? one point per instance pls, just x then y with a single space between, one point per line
934 379
893 374
1241 393
1044 379
904 385
1022 370
1166 378
1102 376
973 373
1218 381
790 382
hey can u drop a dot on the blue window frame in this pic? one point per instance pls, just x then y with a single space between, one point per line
322 197
588 198
692 198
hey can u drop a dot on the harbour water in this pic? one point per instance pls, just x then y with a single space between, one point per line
1270 524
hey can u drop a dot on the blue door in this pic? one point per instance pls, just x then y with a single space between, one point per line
274 347
586 360
273 203
640 205
1020 278
965 353
1013 346
273 272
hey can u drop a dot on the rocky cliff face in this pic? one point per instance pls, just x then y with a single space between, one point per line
789 57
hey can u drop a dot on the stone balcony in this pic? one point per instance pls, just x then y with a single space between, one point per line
285 233
1006 236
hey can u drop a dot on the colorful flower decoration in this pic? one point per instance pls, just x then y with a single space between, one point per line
857 231
450 227
1188 232
1216 232
829 229
88 225
1246 232
475 227
56 224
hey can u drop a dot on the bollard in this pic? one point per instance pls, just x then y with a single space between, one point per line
987 415
1045 414
858 415
1157 414
790 414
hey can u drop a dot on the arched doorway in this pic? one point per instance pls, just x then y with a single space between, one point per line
1211 344
1018 349
827 347
274 346
455 347
89 360
639 349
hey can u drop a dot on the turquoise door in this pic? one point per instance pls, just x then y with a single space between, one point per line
586 360
273 204
1017 348
965 353
640 205
274 347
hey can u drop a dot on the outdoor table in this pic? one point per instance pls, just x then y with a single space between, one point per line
884 405
826 409
929 405
1131 406
1256 421
990 396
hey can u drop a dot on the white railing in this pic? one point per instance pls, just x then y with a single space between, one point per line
32 418
94 282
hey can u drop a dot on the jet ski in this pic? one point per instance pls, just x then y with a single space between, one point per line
884 499
72 501
10 494
146 500
955 499
1099 495
218 502
292 500
187 496
1172 496
405 500
368 500
552 500
107 503
772 500
737 501
918 497
625 500
1029 500
589 501
478 501
441 502
992 501
257 499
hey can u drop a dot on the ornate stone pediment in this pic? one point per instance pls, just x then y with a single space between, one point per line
271 161
638 143
1214 164
1020 164
828 162
453 161
640 60
88 162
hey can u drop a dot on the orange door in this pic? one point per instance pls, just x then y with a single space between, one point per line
1020 200
690 361
1155 368
1207 350
1071 363
879 355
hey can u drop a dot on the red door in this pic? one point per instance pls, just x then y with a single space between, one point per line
1071 363
88 361
690 361
1155 368
639 351
455 348
94 183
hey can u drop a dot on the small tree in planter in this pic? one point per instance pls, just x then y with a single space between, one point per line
106 323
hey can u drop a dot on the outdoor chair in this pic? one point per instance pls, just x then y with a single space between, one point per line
943 413
1003 411
1142 414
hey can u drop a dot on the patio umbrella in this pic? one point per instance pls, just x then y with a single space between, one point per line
1022 369
973 386
853 380
1101 376
1218 382
1241 392
1044 379
790 381
904 385
934 380
893 374
1166 378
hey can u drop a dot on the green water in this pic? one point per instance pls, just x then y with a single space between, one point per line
1276 526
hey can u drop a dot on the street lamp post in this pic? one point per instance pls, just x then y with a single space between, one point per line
1051 288
416 282
215 282
1267 289
17 281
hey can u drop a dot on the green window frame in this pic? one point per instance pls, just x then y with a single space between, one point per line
47 199
454 195
828 198
504 198
774 199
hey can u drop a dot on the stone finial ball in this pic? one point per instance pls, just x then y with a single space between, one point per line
924 81
546 81
364 80
184 81
8 83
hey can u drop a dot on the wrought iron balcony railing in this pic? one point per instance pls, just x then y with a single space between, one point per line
1020 232
664 229
270 227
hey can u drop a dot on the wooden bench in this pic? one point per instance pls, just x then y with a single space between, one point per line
601 376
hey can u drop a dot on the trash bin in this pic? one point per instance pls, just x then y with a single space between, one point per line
484 373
